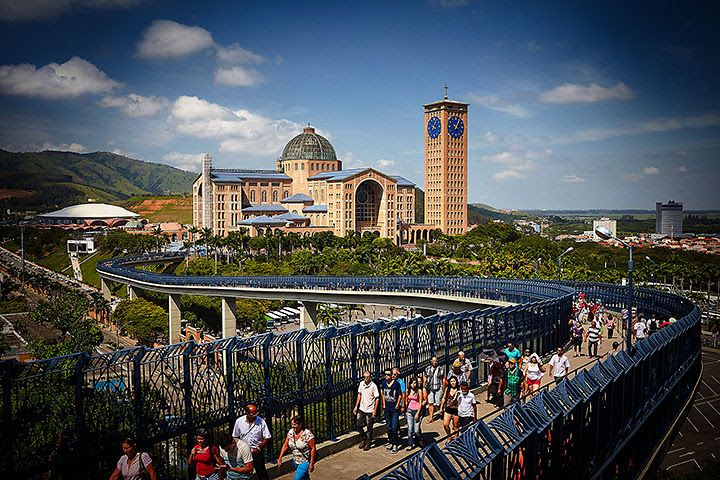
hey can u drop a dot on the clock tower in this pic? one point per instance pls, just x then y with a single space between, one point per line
446 163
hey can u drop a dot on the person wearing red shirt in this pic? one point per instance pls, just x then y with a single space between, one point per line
205 457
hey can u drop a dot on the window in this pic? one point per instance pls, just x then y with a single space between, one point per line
302 166
296 166
252 196
263 196
312 166
285 193
275 195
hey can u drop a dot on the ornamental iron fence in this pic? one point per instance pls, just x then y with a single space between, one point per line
55 411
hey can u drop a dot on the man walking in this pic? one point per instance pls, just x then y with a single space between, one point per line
466 367
559 365
254 431
467 406
365 410
593 338
392 404
514 376
434 375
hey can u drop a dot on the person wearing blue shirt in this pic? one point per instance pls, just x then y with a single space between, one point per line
512 352
392 404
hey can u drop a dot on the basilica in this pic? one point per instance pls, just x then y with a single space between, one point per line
309 191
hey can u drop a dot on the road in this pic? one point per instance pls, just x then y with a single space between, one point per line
695 449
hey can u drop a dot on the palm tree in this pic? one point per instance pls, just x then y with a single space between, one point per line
328 315
205 235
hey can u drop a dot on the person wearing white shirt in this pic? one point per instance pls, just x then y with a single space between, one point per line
365 410
467 406
254 431
238 459
639 330
559 365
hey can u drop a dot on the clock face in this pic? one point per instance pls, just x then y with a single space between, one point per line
434 127
456 127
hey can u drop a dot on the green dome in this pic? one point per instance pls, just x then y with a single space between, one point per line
308 146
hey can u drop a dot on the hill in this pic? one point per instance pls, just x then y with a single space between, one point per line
48 180
166 208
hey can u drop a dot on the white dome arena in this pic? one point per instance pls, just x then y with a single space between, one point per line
91 210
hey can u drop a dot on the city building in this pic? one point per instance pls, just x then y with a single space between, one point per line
309 191
605 223
669 218
446 164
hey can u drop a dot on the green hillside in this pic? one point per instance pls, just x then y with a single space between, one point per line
52 179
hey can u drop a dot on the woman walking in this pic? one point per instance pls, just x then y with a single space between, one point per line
301 443
578 332
610 325
133 465
205 457
533 374
449 406
416 402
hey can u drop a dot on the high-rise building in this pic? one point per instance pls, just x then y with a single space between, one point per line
669 218
606 223
446 165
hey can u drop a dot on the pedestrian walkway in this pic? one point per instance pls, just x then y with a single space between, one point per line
352 463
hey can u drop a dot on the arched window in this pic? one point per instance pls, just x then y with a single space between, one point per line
252 196
275 195
263 196
285 193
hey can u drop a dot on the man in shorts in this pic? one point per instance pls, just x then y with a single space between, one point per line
434 375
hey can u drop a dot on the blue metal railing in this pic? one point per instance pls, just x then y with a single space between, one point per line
162 395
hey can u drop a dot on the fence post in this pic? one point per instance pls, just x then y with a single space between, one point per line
329 394
8 368
79 383
416 348
299 372
137 388
268 391
230 378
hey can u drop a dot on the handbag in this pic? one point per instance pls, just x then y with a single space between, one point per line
141 468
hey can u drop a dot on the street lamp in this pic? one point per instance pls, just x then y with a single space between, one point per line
606 234
569 249
655 266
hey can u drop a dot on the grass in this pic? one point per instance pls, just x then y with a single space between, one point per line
57 261
162 208
90 275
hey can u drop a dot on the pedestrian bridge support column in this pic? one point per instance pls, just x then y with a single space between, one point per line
174 315
132 292
229 316
308 315
426 312
105 289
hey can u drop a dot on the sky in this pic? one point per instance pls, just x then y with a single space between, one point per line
573 105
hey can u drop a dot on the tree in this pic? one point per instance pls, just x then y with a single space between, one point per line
141 318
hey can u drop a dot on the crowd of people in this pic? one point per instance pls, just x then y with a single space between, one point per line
235 457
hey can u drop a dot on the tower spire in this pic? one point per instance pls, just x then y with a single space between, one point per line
446 91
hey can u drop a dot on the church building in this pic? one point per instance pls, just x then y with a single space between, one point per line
309 191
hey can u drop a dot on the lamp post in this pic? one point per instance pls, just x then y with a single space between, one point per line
655 266
606 234
569 249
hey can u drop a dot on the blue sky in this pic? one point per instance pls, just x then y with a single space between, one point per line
603 105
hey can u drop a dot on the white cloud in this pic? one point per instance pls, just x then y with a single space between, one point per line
491 138
135 105
60 147
385 163
233 69
235 54
502 105
574 93
637 176
168 39
651 126
516 164
29 10
239 131
184 161
682 169
507 175
572 179
73 78
237 76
